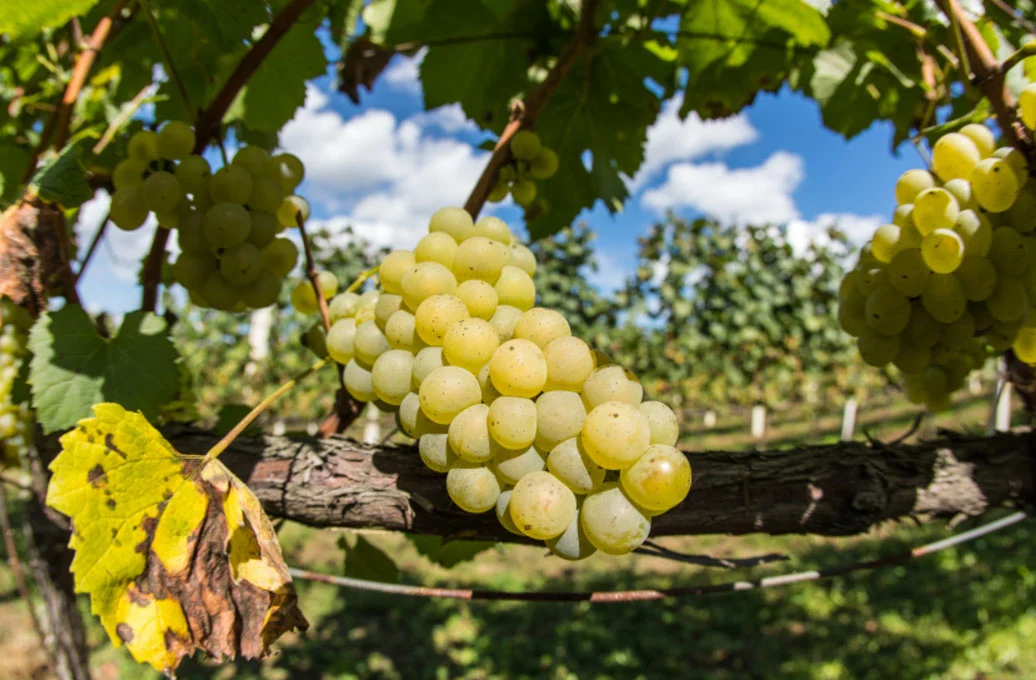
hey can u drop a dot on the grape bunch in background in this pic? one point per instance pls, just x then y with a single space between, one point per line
953 276
530 161
525 419
227 223
15 417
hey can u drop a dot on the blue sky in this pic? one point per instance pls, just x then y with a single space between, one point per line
385 165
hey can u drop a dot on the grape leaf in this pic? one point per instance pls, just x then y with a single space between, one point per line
174 551
62 179
19 19
74 367
447 553
367 561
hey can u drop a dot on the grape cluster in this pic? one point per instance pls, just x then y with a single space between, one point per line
530 161
15 418
227 222
522 417
954 274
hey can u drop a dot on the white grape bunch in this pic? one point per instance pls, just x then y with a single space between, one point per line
530 161
951 278
522 417
15 417
228 223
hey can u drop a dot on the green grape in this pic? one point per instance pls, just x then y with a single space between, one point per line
523 258
291 210
304 298
944 298
128 173
877 349
340 340
392 269
1017 161
391 376
611 383
982 136
468 434
435 452
143 146
515 288
503 512
425 361
912 358
369 343
935 209
525 145
509 173
978 277
482 258
908 273
953 156
227 225
342 306
230 184
254 160
498 192
193 173
975 231
659 480
494 229
280 256
923 330
1009 301
474 488
489 392
615 434
1027 106
1022 214
903 216
885 241
263 291
541 506
412 419
848 284
241 264
541 326
544 164
559 416
983 319
911 183
936 381
267 195
523 192
316 340
995 185
192 269
424 280
957 335
665 428
1024 345
220 293
385 307
569 462
961 190
518 369
358 382
171 220
470 344
512 422
436 315
162 191
454 221
612 522
852 315
504 319
479 297
175 141
438 247
128 209
264 229
871 278
512 465
447 391
572 544
1009 252
569 363
943 251
401 332
289 169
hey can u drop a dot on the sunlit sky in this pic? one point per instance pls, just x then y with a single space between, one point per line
385 165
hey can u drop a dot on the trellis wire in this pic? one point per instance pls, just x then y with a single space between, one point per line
659 594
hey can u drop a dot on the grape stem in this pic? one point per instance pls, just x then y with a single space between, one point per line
311 272
167 59
585 36
93 246
222 444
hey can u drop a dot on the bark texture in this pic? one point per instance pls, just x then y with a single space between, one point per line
835 490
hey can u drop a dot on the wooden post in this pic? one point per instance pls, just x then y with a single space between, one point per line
372 428
849 419
710 419
758 421
1000 402
975 382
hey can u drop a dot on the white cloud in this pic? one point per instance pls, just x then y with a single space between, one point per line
671 139
404 73
120 252
450 119
740 195
859 228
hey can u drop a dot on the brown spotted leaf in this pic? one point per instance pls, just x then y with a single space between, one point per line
174 551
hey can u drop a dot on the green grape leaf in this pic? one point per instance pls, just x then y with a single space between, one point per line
757 40
174 551
447 553
227 22
18 19
278 87
62 179
364 560
73 367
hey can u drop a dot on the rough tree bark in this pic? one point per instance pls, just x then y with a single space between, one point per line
835 490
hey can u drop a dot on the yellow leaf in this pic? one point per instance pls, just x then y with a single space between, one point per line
175 551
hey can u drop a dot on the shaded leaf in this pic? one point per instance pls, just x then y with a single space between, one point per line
18 19
73 367
447 553
230 415
62 179
364 560
174 551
